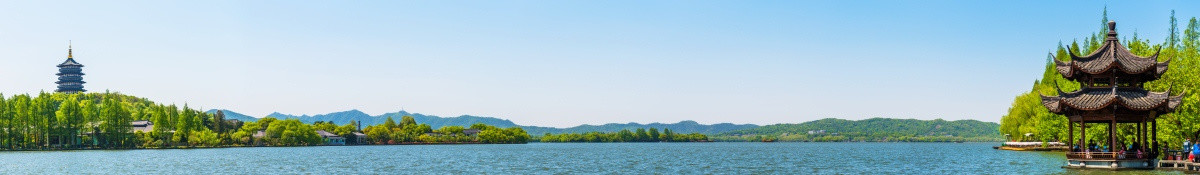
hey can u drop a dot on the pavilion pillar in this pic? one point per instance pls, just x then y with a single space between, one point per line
1142 135
1145 135
1154 134
1070 134
1112 140
1137 133
1083 135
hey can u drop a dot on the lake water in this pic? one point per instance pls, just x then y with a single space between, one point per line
557 158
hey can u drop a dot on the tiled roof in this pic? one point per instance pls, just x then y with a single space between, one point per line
1112 54
323 133
140 123
1088 99
70 62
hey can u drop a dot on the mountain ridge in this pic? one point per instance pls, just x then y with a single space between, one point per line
344 117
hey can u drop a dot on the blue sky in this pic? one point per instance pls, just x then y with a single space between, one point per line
565 63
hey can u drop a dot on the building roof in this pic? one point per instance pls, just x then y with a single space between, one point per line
1088 99
143 129
325 134
470 131
1111 54
141 123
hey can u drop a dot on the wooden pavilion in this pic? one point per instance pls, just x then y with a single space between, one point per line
1112 94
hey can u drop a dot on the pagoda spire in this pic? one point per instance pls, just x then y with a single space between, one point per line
69 49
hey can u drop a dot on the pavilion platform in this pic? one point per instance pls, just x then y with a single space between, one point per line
1111 160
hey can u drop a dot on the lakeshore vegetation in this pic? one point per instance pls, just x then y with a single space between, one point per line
640 135
870 130
103 121
1028 116
50 121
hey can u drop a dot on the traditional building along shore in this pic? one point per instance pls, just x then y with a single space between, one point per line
1112 93
70 75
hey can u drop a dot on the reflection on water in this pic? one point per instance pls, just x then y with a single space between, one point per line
560 158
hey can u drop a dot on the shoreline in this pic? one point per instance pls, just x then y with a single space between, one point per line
1044 149
181 148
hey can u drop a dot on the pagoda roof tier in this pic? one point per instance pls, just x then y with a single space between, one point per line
1111 55
1092 99
70 62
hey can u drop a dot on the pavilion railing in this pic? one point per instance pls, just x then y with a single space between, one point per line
1175 155
1109 156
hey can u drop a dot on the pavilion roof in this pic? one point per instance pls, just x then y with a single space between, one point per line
1111 54
1089 99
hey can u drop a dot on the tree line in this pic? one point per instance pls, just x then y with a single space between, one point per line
870 130
94 120
409 131
640 135
104 121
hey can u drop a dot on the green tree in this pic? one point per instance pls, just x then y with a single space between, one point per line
389 123
641 135
5 121
1173 33
667 135
654 136
115 126
625 136
218 121
71 116
183 126
407 121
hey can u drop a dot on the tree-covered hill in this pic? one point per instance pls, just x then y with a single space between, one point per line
874 129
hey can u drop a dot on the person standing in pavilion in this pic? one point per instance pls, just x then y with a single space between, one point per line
1187 145
1195 151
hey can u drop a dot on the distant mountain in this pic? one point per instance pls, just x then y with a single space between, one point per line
343 117
467 120
356 115
462 120
233 115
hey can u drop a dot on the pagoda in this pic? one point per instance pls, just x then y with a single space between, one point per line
1112 93
70 75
